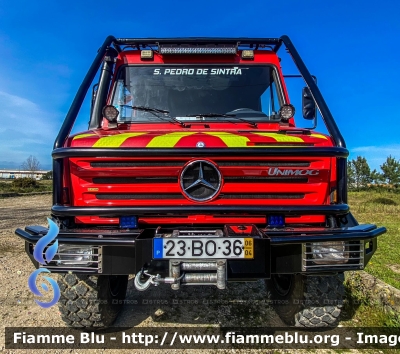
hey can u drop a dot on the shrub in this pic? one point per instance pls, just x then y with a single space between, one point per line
385 201
24 183
48 175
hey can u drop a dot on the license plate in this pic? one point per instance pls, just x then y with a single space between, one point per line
195 248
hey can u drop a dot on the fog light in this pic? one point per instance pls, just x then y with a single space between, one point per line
333 196
128 222
247 54
74 255
332 252
275 221
146 54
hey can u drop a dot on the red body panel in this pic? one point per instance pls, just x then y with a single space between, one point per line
213 137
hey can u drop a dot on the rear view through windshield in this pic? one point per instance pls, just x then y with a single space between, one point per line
194 90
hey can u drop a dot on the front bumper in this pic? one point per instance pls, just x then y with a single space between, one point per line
276 251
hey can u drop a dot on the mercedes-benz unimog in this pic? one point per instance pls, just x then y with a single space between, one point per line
194 171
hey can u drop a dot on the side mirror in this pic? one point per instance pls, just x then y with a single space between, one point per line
309 108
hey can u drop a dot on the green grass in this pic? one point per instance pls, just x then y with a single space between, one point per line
381 208
358 306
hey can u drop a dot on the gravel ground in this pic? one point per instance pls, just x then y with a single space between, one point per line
241 305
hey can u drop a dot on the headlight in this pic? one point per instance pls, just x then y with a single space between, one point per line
110 113
74 255
332 252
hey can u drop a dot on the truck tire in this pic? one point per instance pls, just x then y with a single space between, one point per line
90 300
307 301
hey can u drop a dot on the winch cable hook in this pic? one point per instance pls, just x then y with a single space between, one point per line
153 280
144 286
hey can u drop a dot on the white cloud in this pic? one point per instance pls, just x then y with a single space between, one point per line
385 149
20 113
376 155
25 129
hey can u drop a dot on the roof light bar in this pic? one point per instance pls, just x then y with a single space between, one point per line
221 49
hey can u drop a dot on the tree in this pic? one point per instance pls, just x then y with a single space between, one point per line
359 173
48 175
376 177
31 164
350 175
391 170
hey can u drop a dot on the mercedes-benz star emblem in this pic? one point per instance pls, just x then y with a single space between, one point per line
200 180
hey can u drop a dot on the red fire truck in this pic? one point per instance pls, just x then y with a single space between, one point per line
193 171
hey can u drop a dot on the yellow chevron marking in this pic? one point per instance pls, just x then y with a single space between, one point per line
319 136
282 138
168 140
83 136
114 140
231 140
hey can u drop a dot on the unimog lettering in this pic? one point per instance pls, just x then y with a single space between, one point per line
278 172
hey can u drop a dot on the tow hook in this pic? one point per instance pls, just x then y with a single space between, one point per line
153 280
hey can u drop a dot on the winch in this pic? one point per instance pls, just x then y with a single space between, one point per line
188 271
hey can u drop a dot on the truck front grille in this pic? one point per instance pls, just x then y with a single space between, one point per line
117 164
248 180
236 179
265 163
160 163
144 196
141 196
130 180
265 179
263 196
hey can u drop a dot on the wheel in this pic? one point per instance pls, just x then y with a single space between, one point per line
307 301
91 300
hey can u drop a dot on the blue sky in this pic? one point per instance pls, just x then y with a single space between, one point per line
47 46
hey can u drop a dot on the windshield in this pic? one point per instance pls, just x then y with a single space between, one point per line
191 92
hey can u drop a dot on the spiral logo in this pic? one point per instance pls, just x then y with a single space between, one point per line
49 255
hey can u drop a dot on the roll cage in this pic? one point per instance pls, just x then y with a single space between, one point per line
109 51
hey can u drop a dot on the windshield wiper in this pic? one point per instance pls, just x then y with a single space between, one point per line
212 115
149 109
156 110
